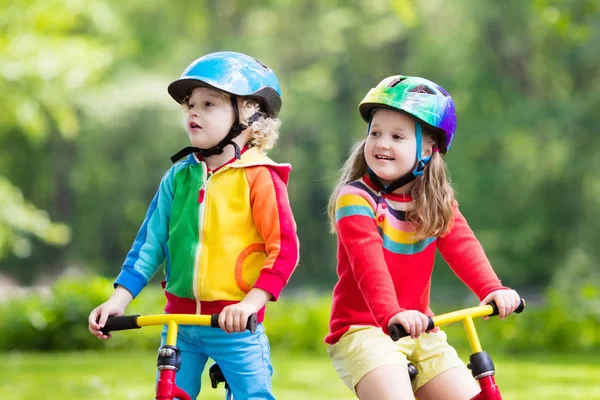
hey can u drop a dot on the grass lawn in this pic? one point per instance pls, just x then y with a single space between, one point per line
130 375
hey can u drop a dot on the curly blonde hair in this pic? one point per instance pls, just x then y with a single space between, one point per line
264 130
432 192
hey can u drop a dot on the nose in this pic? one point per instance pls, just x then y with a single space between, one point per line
382 143
192 112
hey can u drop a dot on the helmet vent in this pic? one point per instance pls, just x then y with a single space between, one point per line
396 81
422 89
262 65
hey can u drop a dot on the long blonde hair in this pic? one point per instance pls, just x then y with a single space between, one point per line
354 168
432 192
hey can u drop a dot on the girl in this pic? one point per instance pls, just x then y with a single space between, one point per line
391 209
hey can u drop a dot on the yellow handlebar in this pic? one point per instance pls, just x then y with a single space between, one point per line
181 319
114 323
455 316
473 312
466 315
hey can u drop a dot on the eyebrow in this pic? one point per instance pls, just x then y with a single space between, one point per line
212 95
209 94
394 128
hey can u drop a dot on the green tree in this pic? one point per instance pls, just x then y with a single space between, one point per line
88 126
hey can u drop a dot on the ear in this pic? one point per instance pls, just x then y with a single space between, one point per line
427 147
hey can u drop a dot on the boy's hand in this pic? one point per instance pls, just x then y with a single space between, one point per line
234 318
506 300
413 321
116 305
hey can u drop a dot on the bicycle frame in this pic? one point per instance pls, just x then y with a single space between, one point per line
481 364
169 356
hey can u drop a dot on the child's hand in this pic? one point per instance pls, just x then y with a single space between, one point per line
413 321
506 300
234 318
100 314
116 305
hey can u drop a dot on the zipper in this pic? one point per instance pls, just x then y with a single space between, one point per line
201 211
202 191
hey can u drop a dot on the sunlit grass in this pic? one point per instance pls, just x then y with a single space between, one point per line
130 375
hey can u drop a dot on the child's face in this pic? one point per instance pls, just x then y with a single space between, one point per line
391 148
209 117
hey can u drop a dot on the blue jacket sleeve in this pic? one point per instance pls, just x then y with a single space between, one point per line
148 250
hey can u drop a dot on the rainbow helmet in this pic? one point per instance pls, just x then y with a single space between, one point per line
418 97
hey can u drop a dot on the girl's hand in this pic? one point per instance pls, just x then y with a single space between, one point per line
234 318
116 305
413 321
506 300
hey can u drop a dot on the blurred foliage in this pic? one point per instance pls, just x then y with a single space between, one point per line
19 219
87 126
57 320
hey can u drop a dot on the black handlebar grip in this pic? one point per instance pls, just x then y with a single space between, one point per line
397 331
121 323
252 322
251 325
519 309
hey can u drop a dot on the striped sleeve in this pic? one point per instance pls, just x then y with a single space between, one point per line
275 222
148 250
464 254
358 233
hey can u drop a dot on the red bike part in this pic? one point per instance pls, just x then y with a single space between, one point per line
166 389
489 389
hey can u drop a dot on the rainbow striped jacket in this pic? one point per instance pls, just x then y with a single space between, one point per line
383 269
219 233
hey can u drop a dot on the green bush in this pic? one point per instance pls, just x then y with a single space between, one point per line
559 325
57 320
299 323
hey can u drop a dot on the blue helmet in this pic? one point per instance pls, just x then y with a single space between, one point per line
235 73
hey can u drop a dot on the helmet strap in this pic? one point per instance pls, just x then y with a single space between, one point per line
234 132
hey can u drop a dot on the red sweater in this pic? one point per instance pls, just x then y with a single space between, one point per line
382 270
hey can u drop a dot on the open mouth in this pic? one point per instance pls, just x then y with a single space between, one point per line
382 157
192 125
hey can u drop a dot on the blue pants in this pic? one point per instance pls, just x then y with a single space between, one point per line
243 357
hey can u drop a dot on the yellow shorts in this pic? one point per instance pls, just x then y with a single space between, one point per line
364 348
